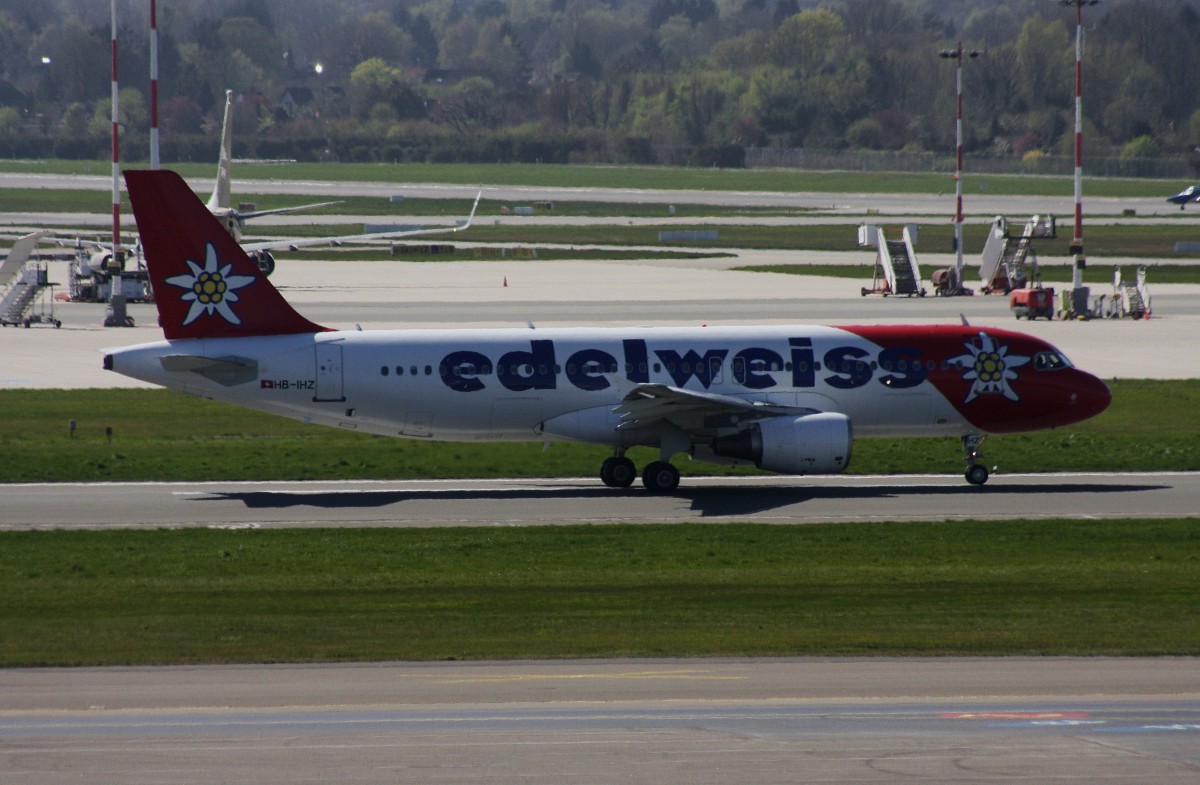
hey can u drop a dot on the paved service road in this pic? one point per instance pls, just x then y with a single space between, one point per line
550 501
668 722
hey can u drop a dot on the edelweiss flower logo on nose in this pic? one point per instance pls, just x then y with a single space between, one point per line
210 289
990 368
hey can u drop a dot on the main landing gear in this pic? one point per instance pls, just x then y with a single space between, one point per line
977 473
658 476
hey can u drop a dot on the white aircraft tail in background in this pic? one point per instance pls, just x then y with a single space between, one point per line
220 203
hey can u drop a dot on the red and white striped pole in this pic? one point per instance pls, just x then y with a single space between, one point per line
957 53
116 155
1077 239
153 84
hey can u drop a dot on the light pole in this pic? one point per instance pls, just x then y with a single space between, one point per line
1079 294
958 53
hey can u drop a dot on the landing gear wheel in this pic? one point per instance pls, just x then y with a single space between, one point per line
618 472
660 477
977 474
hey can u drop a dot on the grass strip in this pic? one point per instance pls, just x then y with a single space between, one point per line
160 435
1053 587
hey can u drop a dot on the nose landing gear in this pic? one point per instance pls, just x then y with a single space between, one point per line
977 473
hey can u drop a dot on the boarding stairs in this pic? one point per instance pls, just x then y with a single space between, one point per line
896 269
23 281
1002 266
1131 299
20 297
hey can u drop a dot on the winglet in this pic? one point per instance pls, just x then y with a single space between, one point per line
467 223
220 199
205 285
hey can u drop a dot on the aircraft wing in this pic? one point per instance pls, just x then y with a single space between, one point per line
283 210
692 410
66 239
303 242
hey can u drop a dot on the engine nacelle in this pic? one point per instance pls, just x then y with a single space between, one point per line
98 262
813 444
265 261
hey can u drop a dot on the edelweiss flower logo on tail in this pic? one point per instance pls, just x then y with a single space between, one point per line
990 368
210 289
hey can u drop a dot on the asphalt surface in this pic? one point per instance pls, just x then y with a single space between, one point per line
668 722
424 503
979 203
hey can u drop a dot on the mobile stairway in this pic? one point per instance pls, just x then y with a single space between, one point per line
1005 256
23 281
896 270
1131 299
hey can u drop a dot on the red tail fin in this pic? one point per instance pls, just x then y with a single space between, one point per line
204 283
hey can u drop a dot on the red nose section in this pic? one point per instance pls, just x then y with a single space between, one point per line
999 381
1090 397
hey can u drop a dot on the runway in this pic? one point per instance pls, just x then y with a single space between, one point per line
979 203
427 503
668 722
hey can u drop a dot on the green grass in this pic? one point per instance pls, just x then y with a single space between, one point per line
965 588
658 177
158 435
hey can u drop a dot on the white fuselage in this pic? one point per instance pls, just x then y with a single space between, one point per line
529 384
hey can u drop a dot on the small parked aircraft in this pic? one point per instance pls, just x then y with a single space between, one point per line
789 399
95 263
1186 196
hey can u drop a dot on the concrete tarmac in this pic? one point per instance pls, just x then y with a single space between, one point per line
612 293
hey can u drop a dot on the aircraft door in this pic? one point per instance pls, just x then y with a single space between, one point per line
329 372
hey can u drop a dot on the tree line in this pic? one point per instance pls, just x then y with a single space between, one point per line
677 81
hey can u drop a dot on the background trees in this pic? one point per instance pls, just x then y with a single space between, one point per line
614 78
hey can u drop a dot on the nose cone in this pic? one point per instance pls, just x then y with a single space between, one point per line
1089 397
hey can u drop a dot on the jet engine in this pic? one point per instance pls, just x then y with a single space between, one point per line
812 444
98 262
265 261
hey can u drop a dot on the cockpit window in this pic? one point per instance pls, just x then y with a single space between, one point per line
1050 361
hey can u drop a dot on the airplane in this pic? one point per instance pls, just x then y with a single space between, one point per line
1187 195
220 203
788 399
95 266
